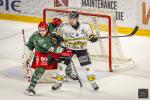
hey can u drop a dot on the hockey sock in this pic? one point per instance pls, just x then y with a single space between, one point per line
36 76
68 69
61 72
91 77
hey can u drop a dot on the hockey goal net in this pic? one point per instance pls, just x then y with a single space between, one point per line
106 53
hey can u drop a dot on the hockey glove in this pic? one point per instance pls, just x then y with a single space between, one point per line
67 53
93 38
56 56
56 39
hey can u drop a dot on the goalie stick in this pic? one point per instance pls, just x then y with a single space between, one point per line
29 71
105 37
23 35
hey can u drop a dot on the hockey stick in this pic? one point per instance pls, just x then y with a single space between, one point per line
106 37
28 67
76 72
74 69
23 35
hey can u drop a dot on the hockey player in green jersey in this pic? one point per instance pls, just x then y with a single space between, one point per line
44 49
46 52
51 26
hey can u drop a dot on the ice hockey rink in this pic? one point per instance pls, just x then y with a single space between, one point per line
121 85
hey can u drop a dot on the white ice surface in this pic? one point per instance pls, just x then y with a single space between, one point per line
113 86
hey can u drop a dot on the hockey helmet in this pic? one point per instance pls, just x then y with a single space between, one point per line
56 21
43 25
74 14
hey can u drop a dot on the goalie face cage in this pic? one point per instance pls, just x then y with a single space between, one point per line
100 22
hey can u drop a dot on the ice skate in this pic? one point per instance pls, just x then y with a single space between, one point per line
30 91
94 85
56 86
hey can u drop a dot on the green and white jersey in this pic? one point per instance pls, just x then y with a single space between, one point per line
41 44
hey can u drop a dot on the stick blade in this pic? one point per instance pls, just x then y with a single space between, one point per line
134 31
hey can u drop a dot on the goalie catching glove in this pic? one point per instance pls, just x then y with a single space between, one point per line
93 38
56 39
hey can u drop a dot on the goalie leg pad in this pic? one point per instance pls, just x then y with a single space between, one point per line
28 54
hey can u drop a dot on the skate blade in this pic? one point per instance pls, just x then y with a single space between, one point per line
57 91
29 93
95 91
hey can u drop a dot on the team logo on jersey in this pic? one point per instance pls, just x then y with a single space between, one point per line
40 41
44 60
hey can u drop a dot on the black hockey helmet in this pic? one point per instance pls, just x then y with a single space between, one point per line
74 14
